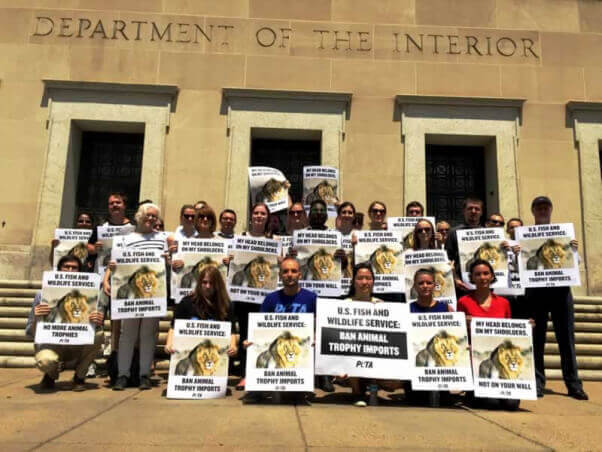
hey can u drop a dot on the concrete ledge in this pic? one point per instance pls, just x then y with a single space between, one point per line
20 284
584 362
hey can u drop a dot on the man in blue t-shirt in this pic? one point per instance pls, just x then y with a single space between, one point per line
291 298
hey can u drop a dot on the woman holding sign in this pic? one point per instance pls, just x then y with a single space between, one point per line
377 211
424 236
83 221
482 302
362 284
209 301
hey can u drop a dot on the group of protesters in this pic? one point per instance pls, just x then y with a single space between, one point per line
133 341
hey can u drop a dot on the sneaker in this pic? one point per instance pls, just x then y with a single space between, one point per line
91 371
325 383
47 382
145 383
120 383
578 394
79 384
360 403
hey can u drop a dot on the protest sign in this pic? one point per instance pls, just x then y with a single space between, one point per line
71 296
439 350
485 244
406 225
321 182
253 270
514 286
71 242
547 258
198 369
138 286
438 262
362 339
320 270
270 186
347 271
105 236
382 250
196 255
502 358
281 357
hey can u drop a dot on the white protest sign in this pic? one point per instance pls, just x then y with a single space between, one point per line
199 367
406 225
485 244
382 250
105 236
362 339
270 186
72 297
436 261
321 182
138 286
320 270
547 258
281 357
71 242
502 358
196 255
439 350
514 286
253 271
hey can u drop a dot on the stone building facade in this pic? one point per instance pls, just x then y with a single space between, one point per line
386 90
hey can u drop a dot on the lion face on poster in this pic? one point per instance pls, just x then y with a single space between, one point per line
440 284
489 253
202 360
189 279
273 190
80 251
321 265
348 269
324 191
283 352
143 283
505 362
408 241
552 254
383 260
441 351
73 308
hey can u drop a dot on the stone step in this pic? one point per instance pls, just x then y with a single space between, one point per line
13 322
581 349
16 301
17 361
583 362
588 317
581 299
584 374
13 335
20 284
11 311
588 308
580 338
18 293
583 327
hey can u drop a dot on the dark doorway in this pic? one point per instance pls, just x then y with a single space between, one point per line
109 162
288 156
452 173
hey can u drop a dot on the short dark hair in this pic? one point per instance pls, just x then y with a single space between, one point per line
119 194
145 201
415 204
356 269
318 201
345 204
289 258
473 199
69 258
184 207
424 271
482 262
515 219
226 211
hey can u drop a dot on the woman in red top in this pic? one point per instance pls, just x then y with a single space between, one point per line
482 302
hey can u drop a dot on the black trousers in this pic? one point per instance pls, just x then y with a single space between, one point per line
242 311
557 301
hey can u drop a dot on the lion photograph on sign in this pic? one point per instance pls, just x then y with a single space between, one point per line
192 270
277 349
315 189
70 305
320 265
254 271
207 358
550 254
385 260
139 281
446 348
505 359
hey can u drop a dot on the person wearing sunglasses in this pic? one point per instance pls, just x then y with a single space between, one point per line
227 223
186 230
424 236
377 212
495 220
296 218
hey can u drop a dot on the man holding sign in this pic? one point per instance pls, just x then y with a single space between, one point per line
557 301
51 358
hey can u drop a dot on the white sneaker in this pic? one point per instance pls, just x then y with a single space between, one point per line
360 404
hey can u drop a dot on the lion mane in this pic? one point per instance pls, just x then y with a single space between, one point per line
348 269
487 252
143 283
80 251
440 351
190 278
202 360
408 241
256 274
320 267
383 260
72 308
283 352
323 191
551 255
505 362
273 190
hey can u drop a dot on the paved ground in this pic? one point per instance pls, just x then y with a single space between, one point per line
100 419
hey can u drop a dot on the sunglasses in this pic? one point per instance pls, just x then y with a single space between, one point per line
443 231
189 217
204 217
421 230
496 222
295 212
379 211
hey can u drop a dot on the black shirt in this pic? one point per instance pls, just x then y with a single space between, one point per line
187 310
